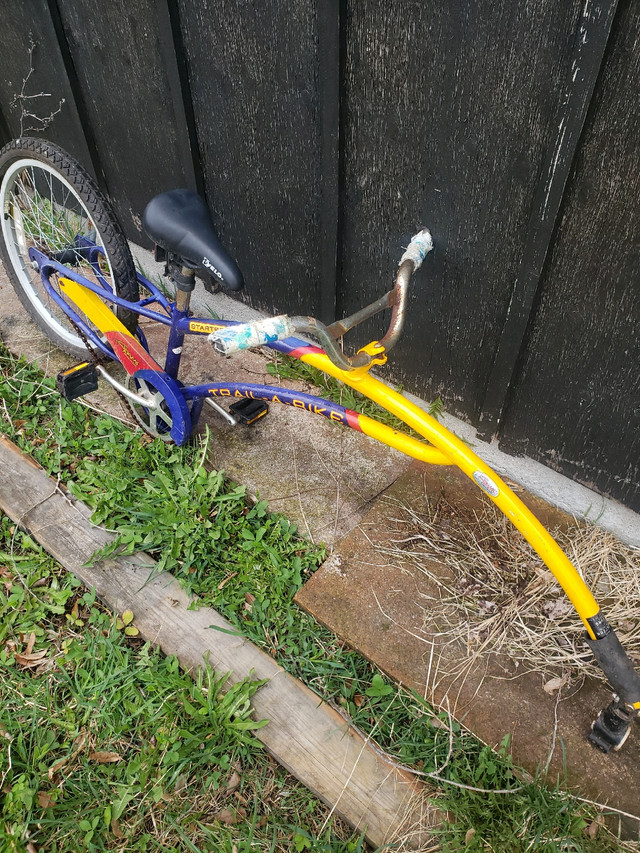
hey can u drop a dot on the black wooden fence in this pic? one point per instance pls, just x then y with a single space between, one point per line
324 132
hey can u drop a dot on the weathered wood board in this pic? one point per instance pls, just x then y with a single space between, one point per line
308 737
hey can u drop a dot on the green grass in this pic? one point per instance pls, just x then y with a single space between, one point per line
248 564
332 389
44 220
106 744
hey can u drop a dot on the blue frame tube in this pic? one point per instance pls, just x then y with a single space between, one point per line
48 266
174 345
274 394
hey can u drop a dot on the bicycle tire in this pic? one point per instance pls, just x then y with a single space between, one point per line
46 197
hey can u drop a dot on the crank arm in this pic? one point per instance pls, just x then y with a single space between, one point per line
126 392
225 414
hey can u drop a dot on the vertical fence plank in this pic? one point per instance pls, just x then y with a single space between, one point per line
128 103
449 113
254 83
591 40
330 26
78 96
576 398
172 50
25 28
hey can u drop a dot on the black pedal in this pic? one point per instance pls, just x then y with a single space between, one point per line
248 411
77 381
612 727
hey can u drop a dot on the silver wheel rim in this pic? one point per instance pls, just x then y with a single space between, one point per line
37 200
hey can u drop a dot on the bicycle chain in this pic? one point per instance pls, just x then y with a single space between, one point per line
103 361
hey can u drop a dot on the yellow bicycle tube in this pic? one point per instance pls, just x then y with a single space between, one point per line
457 453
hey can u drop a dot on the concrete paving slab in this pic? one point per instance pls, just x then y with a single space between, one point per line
382 610
320 475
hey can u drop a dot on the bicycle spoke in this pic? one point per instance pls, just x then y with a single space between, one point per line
36 209
47 199
45 216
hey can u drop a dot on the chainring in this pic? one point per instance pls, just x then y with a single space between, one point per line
167 416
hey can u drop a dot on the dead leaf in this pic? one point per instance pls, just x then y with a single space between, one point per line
555 684
78 746
234 781
226 580
45 800
543 572
105 757
181 783
29 661
594 827
469 836
30 644
79 742
226 816
115 828
437 723
57 765
557 609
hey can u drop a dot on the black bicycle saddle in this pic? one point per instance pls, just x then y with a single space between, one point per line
180 222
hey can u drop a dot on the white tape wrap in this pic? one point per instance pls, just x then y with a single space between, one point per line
247 335
419 247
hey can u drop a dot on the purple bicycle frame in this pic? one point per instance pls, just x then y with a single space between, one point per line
181 324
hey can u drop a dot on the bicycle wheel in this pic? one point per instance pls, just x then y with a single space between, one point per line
49 202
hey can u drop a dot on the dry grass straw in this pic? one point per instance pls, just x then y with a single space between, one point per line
498 596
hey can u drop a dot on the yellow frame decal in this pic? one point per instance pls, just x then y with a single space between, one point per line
204 328
90 304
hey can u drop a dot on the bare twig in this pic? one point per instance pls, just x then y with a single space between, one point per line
23 101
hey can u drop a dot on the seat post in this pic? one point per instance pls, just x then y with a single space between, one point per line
185 281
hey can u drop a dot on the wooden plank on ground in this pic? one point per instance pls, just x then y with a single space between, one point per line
308 737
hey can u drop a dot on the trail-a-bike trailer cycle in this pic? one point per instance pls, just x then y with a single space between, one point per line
72 269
